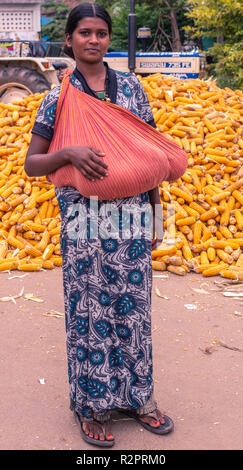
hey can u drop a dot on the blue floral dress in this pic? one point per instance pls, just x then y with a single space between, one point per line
107 278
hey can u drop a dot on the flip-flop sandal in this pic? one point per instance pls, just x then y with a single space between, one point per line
164 428
92 440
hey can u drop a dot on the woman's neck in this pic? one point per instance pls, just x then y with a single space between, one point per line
93 73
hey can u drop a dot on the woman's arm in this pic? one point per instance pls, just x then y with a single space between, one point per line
154 199
38 162
86 159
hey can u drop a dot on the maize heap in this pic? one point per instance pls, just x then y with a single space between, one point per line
29 212
204 120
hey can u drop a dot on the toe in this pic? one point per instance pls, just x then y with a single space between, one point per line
151 421
86 429
99 432
160 417
91 431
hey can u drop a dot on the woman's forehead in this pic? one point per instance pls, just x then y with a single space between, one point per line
92 23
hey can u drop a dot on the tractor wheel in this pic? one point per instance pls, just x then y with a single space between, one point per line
18 82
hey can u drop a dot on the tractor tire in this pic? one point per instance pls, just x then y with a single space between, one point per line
18 82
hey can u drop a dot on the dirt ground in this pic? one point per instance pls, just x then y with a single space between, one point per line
198 373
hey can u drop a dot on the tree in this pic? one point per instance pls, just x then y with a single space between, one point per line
172 7
119 13
165 18
221 20
58 12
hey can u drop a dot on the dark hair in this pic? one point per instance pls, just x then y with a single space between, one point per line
81 11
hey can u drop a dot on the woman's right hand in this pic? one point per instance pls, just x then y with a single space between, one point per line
88 161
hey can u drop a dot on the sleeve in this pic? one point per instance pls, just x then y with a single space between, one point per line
145 111
45 118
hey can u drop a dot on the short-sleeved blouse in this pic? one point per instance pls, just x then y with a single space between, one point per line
124 89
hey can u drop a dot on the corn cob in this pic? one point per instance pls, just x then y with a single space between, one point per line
3 248
163 250
29 267
214 270
176 260
158 265
8 264
239 261
176 270
229 274
56 260
48 251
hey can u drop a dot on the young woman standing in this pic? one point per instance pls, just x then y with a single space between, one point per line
107 282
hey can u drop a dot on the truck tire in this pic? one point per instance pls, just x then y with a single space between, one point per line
17 82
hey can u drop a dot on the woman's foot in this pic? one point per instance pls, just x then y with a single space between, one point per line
154 419
94 432
98 431
156 422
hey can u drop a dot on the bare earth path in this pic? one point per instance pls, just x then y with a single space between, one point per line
198 371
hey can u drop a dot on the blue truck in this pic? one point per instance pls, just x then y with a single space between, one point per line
180 64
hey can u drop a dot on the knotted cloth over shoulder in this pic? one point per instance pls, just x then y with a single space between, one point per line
138 156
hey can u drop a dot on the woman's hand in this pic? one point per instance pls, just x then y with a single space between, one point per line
88 161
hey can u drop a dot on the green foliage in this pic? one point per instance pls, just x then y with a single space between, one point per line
216 17
228 64
56 28
221 20
147 12
144 17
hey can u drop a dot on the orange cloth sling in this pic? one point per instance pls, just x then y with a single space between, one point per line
137 155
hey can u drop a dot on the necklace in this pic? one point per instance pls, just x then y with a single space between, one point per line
102 94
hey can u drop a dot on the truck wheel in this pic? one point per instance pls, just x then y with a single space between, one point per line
18 82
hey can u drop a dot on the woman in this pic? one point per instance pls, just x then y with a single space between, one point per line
107 281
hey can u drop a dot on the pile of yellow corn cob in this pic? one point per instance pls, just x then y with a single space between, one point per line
206 122
205 234
29 213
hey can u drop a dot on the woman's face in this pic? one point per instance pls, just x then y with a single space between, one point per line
90 40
